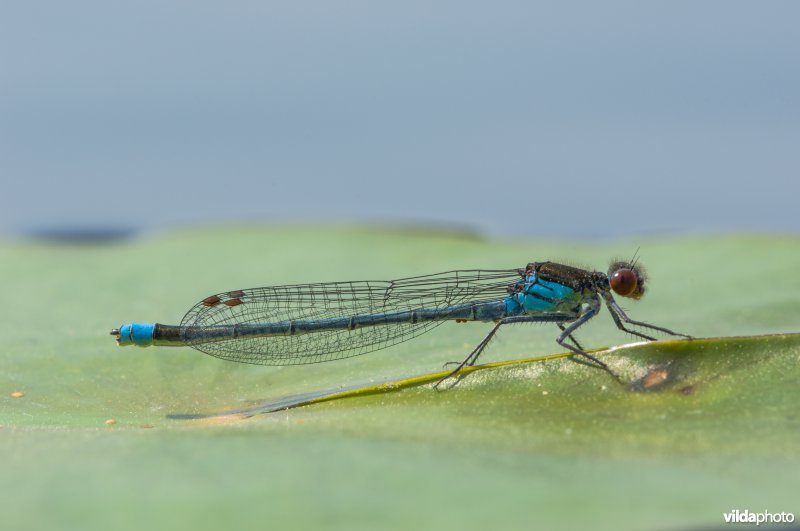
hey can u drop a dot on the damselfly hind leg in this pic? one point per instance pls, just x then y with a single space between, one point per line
473 356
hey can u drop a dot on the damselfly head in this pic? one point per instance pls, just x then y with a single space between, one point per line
627 279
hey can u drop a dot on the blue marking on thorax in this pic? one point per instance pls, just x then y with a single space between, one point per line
550 295
513 307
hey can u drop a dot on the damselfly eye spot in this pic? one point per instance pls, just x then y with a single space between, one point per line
623 282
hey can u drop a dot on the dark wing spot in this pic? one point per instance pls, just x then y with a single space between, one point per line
233 302
236 294
211 301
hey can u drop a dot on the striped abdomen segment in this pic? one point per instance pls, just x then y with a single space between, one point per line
486 311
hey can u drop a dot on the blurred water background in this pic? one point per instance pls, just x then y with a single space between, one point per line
581 120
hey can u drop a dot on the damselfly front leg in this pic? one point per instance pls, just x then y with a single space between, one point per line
619 315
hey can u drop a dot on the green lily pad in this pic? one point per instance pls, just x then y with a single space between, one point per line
128 437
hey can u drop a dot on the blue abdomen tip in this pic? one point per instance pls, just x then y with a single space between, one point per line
139 334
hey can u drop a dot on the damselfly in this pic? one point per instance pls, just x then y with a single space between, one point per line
311 323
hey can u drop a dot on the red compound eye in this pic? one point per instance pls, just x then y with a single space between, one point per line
623 282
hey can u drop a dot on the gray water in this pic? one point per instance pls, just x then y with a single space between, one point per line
515 118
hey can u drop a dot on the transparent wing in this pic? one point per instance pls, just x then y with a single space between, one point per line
337 299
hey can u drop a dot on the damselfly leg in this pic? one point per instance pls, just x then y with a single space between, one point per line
619 315
542 318
570 336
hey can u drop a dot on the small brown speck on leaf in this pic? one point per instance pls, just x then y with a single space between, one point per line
655 378
17 394
147 426
111 422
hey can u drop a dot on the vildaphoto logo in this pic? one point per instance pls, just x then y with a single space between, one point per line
764 517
